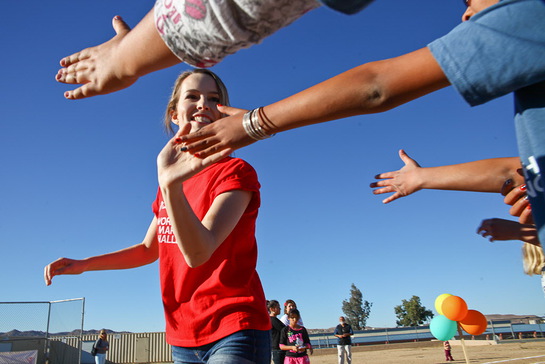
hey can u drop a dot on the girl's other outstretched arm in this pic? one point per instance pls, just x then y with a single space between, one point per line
135 256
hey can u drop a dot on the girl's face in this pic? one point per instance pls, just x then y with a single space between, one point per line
290 306
293 320
199 97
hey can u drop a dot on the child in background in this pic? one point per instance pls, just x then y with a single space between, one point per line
448 356
288 306
295 340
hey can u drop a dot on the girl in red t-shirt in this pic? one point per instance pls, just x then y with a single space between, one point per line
203 234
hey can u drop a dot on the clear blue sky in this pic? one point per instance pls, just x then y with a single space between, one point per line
78 177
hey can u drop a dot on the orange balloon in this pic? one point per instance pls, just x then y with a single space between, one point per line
454 308
474 323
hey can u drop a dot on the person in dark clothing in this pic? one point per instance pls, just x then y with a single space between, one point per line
295 340
278 355
343 331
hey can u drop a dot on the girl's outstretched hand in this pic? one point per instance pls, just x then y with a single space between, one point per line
225 133
62 266
176 165
402 182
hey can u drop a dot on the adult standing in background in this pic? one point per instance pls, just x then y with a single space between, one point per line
343 332
278 355
102 346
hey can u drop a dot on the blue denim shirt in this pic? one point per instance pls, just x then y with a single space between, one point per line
498 51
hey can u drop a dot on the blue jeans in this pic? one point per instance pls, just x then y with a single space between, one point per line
100 358
242 347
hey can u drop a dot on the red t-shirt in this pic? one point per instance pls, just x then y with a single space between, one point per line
223 295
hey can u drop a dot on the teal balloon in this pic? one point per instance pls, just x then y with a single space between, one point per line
442 328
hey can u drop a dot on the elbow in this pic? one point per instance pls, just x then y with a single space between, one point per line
377 100
373 97
385 86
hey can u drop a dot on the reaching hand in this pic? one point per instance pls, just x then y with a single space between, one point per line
226 133
501 229
176 166
99 69
402 182
62 266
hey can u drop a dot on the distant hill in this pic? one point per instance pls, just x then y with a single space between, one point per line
516 319
32 333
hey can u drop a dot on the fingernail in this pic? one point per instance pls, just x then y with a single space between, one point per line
523 187
529 207
183 149
67 94
178 140
220 105
198 155
117 17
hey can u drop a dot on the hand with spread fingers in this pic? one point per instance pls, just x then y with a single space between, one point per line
117 63
486 175
96 68
176 166
402 182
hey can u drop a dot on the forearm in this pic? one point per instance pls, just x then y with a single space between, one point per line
370 88
487 175
528 234
132 257
288 347
195 241
142 50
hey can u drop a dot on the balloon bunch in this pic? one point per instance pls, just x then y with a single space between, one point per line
453 312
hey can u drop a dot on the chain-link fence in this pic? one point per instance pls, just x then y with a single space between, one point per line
28 326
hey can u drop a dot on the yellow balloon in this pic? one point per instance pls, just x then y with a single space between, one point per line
439 302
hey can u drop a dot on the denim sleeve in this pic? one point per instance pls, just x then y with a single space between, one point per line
499 50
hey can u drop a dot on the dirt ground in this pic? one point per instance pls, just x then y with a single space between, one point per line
513 351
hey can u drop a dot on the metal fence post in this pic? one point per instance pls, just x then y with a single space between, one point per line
46 349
